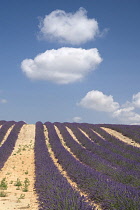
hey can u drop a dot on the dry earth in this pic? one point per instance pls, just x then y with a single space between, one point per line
121 137
92 203
20 167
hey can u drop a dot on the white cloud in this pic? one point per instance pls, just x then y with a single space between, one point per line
136 100
62 66
77 119
72 28
3 101
99 101
123 114
127 115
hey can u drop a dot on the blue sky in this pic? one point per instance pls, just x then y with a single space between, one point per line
70 61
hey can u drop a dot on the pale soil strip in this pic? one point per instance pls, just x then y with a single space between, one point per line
121 137
84 133
20 165
98 134
6 135
64 173
88 136
64 144
73 136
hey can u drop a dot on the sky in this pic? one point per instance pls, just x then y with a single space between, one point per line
70 61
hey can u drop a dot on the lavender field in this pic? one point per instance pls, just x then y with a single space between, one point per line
70 166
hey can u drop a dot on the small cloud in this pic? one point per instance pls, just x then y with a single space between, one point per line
77 119
127 115
98 101
62 66
104 32
136 100
3 101
72 28
127 112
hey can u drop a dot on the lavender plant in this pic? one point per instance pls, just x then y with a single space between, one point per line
2 122
4 129
8 146
116 160
95 161
54 192
131 131
112 195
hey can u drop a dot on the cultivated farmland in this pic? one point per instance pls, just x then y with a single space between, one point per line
69 166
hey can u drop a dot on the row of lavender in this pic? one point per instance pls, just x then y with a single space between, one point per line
124 146
99 186
97 157
8 146
104 186
54 192
2 122
119 155
130 155
131 131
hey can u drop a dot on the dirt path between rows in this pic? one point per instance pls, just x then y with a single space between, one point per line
92 203
19 170
121 137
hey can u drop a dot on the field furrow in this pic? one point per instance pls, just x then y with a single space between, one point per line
105 140
94 160
130 131
18 173
105 151
63 172
121 137
129 152
53 189
98 186
69 166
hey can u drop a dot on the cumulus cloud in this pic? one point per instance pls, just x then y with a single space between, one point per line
3 101
98 101
72 28
127 112
124 113
62 66
127 115
136 100
77 119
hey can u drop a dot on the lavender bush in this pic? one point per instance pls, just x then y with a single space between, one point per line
131 131
8 146
95 161
54 192
112 195
4 129
116 160
2 122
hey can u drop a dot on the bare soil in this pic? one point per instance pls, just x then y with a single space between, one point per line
92 203
20 168
121 137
